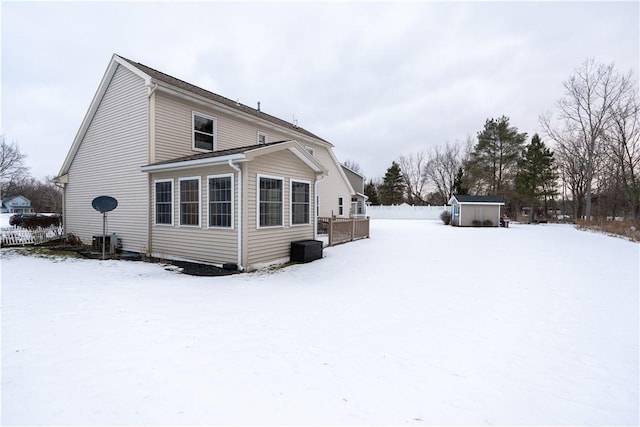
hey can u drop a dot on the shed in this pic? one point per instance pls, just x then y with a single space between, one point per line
475 211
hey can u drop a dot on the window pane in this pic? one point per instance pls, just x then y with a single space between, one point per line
189 202
299 203
203 141
203 124
163 202
270 209
220 202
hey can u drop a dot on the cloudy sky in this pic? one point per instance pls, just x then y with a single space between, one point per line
377 79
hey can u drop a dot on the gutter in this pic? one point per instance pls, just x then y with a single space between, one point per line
186 164
239 202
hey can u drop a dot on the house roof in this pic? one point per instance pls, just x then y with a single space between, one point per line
165 78
151 77
467 199
237 154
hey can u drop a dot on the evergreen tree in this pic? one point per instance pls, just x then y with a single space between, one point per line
393 187
371 192
536 177
494 158
459 186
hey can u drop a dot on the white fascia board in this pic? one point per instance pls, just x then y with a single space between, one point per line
188 164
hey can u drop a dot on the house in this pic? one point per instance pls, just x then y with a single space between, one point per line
478 211
197 176
17 204
358 206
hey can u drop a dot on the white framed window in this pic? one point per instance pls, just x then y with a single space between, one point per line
204 132
340 206
270 201
190 201
263 137
220 201
163 201
300 202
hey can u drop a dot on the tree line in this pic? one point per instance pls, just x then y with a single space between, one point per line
588 166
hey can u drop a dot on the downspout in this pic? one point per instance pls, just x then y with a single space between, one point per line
315 205
239 221
64 206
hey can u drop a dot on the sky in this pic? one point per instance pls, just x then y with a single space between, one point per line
376 79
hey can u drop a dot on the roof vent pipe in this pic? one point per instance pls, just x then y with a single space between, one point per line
258 105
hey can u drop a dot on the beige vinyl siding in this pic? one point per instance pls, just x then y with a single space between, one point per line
269 244
210 245
331 186
173 128
114 147
472 213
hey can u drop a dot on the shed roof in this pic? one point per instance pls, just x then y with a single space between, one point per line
465 198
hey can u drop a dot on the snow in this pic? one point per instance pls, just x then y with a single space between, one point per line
421 324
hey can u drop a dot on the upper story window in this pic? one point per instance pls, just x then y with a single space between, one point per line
310 151
262 137
204 132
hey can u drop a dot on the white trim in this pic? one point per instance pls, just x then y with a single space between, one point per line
215 227
266 137
310 150
190 178
258 177
214 129
300 181
157 181
187 164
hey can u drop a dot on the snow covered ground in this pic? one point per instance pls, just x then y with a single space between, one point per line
421 324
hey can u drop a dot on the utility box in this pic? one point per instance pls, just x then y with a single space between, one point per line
306 250
112 242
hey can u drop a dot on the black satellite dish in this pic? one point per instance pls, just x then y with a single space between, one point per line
104 204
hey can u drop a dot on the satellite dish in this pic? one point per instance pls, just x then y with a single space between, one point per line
104 203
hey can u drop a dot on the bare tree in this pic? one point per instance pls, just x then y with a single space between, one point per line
444 164
414 172
584 117
623 144
352 165
11 162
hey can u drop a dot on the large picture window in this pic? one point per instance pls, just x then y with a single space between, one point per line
204 132
164 202
270 201
299 202
221 201
190 201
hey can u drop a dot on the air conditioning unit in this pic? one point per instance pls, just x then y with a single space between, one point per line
112 242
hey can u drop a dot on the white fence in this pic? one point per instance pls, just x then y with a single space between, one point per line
15 236
406 212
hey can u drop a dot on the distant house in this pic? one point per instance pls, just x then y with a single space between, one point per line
358 199
475 211
17 204
198 177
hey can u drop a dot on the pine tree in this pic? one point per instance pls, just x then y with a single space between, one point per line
459 186
536 177
393 188
494 158
371 192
